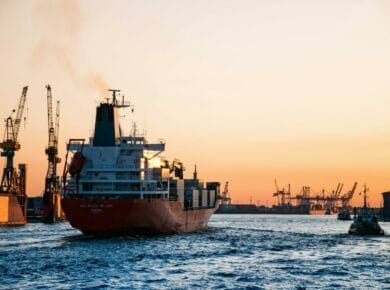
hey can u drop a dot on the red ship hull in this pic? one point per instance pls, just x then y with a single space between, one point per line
133 216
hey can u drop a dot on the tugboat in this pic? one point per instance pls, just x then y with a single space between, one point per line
344 214
118 184
365 222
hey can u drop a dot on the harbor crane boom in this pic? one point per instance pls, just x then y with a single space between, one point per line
19 113
57 122
345 199
276 186
340 189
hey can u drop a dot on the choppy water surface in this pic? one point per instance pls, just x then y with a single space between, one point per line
238 251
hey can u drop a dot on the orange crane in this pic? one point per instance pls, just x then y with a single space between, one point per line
51 195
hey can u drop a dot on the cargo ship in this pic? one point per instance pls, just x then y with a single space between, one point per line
122 185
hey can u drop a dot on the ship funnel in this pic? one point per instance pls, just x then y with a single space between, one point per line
106 125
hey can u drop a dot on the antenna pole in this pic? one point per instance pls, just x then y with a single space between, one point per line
114 95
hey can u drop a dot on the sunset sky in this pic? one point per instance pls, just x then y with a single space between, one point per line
249 91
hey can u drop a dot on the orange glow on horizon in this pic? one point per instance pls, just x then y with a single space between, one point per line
249 91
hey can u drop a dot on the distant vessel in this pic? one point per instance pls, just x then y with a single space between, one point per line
318 210
120 185
365 222
344 214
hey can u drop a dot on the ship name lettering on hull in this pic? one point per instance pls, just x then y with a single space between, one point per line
96 205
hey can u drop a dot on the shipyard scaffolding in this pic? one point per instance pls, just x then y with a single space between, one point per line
13 197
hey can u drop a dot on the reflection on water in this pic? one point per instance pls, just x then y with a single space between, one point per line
237 251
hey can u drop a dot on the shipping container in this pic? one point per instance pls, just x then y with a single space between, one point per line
195 198
204 198
180 192
212 198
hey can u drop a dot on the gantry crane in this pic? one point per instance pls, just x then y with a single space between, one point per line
51 194
330 202
282 194
333 198
10 144
346 198
336 194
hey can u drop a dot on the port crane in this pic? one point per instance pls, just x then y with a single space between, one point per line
51 194
336 193
282 194
10 144
331 201
345 198
332 198
226 199
13 182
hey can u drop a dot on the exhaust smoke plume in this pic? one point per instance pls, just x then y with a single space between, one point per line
96 81
60 22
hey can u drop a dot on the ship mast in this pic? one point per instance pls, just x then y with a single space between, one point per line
365 196
115 102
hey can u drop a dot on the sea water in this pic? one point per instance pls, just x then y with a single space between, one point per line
236 252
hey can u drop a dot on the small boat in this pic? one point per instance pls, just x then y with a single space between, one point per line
344 214
365 222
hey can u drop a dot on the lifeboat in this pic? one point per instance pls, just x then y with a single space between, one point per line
76 164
